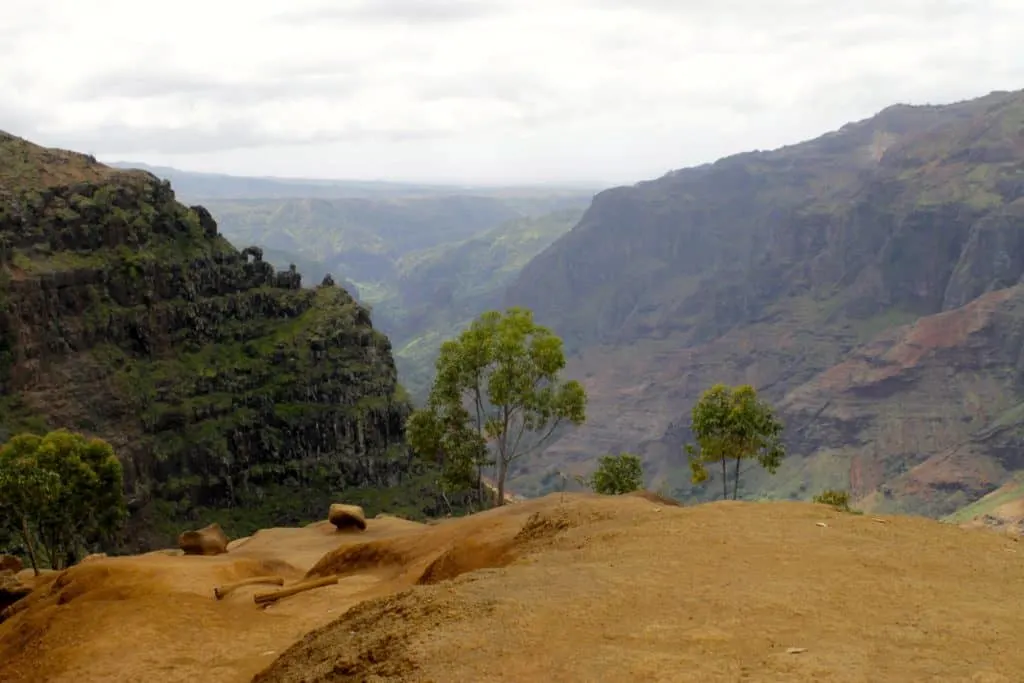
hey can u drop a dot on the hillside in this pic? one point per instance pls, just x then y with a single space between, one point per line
228 390
797 270
567 588
439 291
427 259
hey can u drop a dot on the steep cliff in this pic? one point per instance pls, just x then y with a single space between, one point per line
772 267
229 391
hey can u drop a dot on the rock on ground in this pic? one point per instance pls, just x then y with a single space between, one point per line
210 540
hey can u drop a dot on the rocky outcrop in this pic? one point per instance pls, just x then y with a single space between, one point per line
347 517
773 267
221 382
11 590
210 540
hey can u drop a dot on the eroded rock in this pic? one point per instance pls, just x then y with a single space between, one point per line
210 540
347 517
11 589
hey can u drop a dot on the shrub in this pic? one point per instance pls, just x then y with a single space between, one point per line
617 474
840 500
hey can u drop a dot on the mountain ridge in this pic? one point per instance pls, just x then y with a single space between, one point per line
771 267
228 390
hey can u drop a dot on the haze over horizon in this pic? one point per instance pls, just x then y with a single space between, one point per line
491 91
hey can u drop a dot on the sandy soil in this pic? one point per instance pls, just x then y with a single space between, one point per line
570 587
154 617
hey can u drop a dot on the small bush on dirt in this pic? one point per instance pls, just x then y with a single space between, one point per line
840 500
617 474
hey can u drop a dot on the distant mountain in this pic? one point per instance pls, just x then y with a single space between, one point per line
198 186
440 290
867 281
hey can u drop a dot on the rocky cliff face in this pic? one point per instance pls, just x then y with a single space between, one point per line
228 390
773 267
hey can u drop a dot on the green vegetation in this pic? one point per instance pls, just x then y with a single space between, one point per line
840 500
505 368
61 493
617 474
731 425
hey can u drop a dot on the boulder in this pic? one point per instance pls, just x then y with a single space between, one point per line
10 563
347 517
210 540
11 589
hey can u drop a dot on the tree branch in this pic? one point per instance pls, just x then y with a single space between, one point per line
554 424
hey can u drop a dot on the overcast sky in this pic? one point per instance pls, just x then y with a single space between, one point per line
481 90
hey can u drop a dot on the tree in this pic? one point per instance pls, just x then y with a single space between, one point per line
617 474
497 389
732 425
25 490
63 491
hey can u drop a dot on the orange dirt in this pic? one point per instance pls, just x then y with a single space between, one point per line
155 617
570 587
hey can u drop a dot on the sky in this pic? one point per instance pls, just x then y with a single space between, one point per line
482 91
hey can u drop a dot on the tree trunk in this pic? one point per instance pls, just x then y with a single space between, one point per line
270 598
725 481
736 480
502 469
479 483
27 535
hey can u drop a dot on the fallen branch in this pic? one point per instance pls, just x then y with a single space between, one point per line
270 598
221 592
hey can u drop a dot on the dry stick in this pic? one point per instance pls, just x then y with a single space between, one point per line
222 591
269 598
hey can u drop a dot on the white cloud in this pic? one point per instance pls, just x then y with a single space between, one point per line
481 89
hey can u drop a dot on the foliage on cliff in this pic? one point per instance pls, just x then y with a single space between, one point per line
229 391
795 270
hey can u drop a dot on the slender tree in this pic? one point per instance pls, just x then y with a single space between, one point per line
731 425
496 396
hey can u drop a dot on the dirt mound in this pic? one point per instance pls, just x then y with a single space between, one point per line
645 589
443 551
657 498
628 590
73 628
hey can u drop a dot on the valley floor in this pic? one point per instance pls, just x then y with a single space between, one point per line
571 587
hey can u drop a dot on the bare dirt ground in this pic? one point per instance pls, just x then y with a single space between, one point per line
569 587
